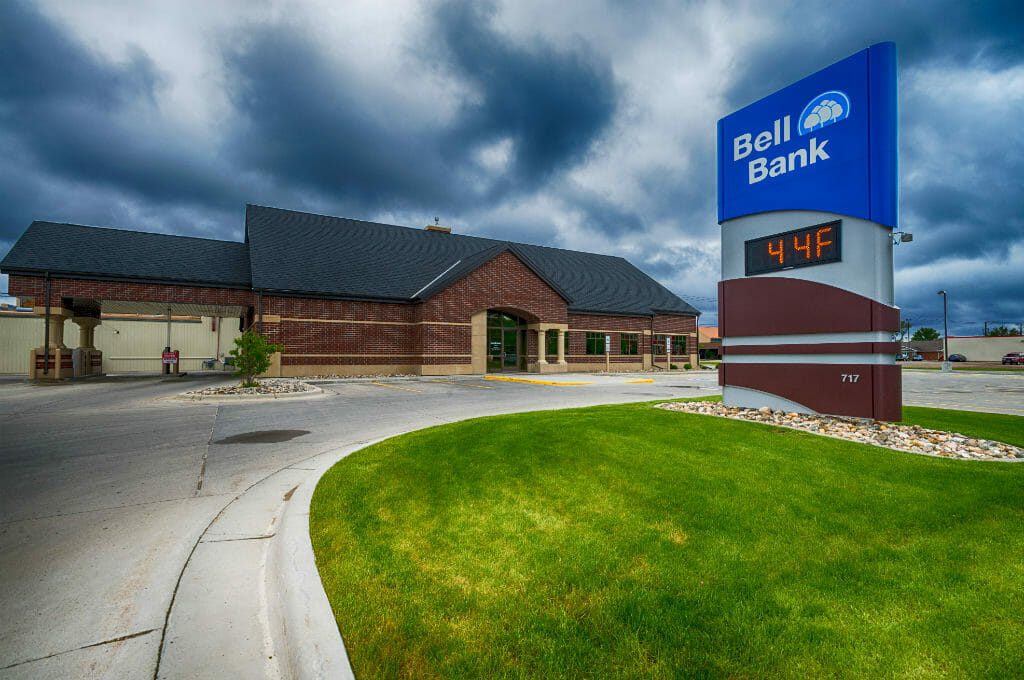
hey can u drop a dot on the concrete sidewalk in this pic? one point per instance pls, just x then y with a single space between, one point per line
250 603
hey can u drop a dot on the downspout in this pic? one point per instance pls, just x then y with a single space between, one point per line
46 330
259 311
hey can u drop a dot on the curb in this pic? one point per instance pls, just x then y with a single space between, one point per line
312 393
301 616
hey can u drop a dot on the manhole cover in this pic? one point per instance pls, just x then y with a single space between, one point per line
263 437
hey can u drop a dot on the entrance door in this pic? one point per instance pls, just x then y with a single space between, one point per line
506 343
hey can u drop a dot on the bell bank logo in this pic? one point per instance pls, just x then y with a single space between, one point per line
824 110
828 108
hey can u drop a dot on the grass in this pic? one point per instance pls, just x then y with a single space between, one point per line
965 369
631 542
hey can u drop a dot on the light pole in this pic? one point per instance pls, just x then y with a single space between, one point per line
947 365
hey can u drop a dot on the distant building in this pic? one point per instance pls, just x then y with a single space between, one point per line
709 343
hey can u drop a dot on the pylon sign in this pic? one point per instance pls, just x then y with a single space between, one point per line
807 198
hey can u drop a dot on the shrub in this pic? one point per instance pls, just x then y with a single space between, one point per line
688 366
673 367
252 355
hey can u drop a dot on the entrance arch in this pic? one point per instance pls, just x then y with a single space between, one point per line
506 342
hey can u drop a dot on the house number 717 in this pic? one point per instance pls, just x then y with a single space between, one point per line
851 377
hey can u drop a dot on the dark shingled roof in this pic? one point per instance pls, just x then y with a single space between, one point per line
305 253
301 253
115 253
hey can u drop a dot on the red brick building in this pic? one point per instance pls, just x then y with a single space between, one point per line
352 297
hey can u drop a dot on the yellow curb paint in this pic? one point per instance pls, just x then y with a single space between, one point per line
535 382
446 382
639 381
396 387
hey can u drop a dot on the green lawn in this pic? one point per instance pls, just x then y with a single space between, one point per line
631 542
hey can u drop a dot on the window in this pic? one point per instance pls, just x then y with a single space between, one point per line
628 343
553 342
595 343
678 344
659 344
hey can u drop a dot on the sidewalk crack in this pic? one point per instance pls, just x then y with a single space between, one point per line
76 649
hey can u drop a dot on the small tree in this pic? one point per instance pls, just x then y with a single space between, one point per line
252 355
922 334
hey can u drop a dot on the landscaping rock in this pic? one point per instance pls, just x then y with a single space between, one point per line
266 386
910 438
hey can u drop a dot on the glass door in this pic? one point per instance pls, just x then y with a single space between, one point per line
506 342
495 349
511 349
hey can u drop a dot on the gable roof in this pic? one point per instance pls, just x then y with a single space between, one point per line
471 263
299 253
73 249
305 253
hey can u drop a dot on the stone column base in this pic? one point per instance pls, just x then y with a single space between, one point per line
61 364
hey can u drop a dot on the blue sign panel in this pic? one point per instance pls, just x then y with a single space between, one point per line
827 142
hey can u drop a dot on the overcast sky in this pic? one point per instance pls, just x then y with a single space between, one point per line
583 125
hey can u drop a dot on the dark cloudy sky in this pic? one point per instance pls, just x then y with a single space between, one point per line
584 125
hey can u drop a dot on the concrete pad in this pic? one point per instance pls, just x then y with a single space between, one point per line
70 581
218 625
254 514
131 658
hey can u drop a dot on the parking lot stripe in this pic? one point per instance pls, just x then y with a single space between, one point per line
447 382
396 387
534 382
640 381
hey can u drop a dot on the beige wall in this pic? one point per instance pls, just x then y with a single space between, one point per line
127 345
986 348
19 335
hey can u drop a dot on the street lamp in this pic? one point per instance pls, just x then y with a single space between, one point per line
946 364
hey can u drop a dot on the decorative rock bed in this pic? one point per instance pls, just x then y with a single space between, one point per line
267 386
910 438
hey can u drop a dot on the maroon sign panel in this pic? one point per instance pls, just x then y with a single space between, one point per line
777 306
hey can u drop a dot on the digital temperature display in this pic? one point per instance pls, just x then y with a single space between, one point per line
798 248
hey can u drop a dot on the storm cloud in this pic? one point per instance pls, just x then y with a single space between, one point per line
579 125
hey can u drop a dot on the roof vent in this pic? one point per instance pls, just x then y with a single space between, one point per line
436 226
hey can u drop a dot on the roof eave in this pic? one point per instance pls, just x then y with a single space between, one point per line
92 276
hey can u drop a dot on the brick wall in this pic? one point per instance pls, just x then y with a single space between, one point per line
35 286
503 283
664 324
318 332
